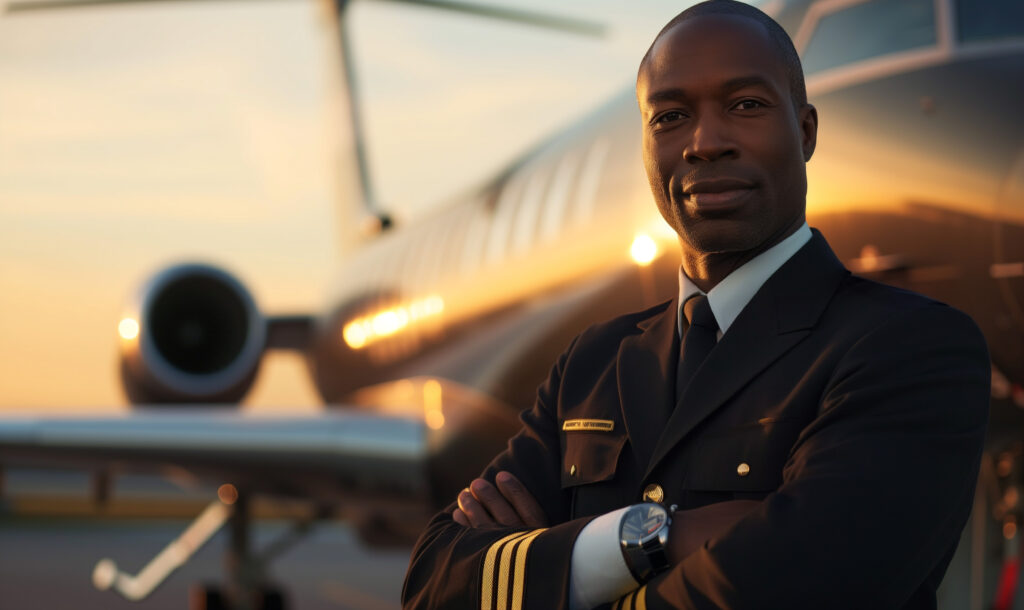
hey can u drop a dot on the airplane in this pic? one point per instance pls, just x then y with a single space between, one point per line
439 331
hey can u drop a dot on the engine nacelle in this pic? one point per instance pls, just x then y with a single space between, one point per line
193 334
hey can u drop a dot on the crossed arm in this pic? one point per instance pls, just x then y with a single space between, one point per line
511 504
873 498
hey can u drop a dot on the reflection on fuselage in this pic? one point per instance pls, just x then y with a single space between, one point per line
918 165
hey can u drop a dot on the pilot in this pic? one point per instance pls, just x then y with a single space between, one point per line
781 435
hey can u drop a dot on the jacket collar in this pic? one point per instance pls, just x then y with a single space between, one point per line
780 315
732 294
646 377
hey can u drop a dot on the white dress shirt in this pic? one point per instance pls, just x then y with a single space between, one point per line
598 572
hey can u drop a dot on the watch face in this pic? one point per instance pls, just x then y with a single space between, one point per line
641 521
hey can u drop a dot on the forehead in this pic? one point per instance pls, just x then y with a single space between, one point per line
710 49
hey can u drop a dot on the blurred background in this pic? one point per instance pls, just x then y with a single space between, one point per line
138 136
135 136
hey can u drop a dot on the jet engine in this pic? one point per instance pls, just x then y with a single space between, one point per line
193 334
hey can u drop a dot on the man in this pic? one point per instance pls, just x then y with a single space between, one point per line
819 433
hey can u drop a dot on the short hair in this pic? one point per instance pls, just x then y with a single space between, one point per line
780 39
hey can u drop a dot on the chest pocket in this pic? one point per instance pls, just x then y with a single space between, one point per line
590 456
745 459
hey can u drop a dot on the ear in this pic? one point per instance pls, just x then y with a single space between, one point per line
808 118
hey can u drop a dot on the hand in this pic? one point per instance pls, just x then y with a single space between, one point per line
510 504
692 528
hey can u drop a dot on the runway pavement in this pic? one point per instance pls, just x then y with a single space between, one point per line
51 538
47 563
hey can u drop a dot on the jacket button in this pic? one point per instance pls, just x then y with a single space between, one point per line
572 470
743 469
654 493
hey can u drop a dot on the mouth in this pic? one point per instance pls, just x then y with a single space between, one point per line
717 195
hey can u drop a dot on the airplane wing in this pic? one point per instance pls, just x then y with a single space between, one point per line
330 456
376 461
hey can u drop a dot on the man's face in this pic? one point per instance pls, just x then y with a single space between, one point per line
724 148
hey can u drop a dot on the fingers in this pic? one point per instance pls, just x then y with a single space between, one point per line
509 504
474 512
525 505
495 503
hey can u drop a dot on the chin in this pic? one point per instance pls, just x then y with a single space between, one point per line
722 236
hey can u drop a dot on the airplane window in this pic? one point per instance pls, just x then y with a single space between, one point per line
870 29
558 198
1002 19
501 221
476 240
529 208
586 192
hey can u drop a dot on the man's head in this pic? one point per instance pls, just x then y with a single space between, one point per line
727 129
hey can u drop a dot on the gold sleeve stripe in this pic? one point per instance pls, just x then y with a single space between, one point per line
519 578
627 602
504 571
508 586
487 576
641 598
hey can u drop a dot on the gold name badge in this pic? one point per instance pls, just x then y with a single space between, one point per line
594 425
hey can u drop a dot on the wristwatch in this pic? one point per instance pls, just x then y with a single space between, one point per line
643 536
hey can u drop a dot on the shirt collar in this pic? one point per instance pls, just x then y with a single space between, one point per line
731 295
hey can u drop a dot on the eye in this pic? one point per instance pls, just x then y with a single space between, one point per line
749 104
667 117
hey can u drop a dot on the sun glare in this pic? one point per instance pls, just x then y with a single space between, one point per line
128 328
366 329
643 250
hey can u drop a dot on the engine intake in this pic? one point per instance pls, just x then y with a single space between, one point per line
200 338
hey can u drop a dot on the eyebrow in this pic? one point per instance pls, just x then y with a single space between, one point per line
676 94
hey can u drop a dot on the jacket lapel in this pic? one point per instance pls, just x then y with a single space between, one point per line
646 374
779 316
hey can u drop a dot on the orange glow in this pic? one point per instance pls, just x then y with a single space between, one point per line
1009 530
643 250
227 493
128 328
365 330
389 322
432 400
355 335
1011 497
1005 464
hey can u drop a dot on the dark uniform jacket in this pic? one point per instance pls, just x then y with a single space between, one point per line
854 410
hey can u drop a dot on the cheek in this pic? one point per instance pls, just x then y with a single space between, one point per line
783 160
658 174
650 156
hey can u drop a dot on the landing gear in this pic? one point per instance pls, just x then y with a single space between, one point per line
246 580
246 583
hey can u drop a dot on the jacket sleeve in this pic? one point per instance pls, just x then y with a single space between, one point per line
876 490
454 567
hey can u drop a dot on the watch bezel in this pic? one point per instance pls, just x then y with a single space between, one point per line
645 555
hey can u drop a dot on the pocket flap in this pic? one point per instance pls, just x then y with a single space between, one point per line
589 457
748 459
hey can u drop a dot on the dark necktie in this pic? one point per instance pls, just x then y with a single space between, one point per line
700 338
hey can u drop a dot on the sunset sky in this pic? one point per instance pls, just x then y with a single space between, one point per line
137 136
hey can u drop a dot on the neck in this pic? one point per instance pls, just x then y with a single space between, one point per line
707 269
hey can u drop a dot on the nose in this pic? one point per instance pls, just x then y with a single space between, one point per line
709 141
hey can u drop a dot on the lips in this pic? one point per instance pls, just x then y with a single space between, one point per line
717 194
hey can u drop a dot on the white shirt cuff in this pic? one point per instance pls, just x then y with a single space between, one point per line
598 573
